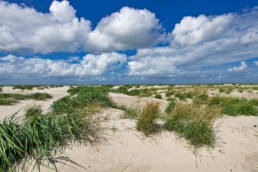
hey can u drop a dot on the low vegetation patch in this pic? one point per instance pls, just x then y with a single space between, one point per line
129 113
29 87
158 96
232 106
170 106
41 138
146 122
33 111
84 96
193 123
8 98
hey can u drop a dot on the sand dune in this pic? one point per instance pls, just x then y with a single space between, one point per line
126 150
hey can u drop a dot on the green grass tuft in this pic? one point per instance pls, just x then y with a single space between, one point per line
170 106
33 111
8 98
158 96
129 113
146 122
193 123
40 138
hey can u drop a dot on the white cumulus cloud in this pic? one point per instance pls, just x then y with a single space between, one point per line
127 29
23 29
239 68
201 41
193 30
20 67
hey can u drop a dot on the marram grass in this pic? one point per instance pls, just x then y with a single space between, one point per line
40 138
146 121
193 123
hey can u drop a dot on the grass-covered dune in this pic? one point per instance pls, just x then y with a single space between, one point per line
41 136
190 114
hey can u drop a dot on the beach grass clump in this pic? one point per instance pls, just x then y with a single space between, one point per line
122 90
193 123
40 138
240 90
33 111
129 113
134 92
200 99
84 97
9 99
29 87
62 105
146 92
146 121
232 106
184 95
39 96
222 90
170 106
170 93
158 96
229 90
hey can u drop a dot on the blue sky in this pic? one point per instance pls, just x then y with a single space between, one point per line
128 41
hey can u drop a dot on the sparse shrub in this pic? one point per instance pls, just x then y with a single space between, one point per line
146 122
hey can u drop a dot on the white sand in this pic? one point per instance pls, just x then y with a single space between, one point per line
128 150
